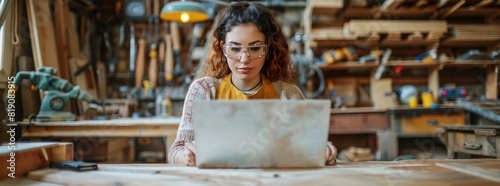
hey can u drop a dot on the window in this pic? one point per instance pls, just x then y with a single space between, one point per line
1 46
6 46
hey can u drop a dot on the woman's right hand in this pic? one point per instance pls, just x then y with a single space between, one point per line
190 154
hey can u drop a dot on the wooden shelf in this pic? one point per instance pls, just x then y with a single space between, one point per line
408 43
489 12
453 42
357 110
469 63
340 43
407 63
348 65
412 64
427 11
359 12
388 25
362 12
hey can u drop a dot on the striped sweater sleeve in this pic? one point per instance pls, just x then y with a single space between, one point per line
200 89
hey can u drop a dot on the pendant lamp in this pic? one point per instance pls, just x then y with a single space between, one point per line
184 11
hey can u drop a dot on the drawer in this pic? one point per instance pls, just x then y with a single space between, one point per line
349 123
426 123
474 144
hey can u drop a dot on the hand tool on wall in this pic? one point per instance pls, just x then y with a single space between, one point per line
198 31
176 43
113 50
133 53
153 23
153 66
169 61
161 65
141 57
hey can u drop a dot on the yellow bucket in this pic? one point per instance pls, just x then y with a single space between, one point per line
427 99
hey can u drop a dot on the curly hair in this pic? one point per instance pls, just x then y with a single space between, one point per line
277 65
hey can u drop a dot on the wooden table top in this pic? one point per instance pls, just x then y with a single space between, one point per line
112 122
413 172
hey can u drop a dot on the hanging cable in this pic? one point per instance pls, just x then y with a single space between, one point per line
15 36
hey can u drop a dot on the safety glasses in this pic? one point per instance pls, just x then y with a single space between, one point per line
235 52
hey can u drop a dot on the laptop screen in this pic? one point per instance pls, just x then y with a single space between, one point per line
261 133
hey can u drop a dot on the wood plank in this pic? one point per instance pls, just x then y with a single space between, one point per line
481 4
358 110
25 181
42 34
415 172
108 131
61 40
452 9
365 27
31 156
493 175
491 83
63 152
170 121
98 178
415 36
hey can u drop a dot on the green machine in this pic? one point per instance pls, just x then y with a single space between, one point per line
55 103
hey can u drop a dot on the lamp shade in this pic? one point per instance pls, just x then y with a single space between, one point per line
184 11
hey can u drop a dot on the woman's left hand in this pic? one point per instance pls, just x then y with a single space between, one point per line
331 154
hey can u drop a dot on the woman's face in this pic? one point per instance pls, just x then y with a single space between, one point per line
245 52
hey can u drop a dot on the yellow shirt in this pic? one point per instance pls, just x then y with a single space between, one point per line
226 90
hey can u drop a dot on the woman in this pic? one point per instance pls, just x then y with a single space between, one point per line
249 59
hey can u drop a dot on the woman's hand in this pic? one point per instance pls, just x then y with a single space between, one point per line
331 154
190 154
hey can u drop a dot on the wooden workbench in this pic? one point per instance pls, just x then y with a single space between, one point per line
123 127
416 172
472 139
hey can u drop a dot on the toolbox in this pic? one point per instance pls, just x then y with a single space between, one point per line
481 140
424 121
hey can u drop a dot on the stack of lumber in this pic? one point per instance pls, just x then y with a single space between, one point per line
335 33
356 154
368 28
474 32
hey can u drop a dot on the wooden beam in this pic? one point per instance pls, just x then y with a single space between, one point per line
360 28
421 3
42 34
452 9
61 40
472 170
481 4
491 83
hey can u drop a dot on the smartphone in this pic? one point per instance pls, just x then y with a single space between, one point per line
73 165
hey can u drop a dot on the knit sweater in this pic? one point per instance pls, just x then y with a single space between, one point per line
205 88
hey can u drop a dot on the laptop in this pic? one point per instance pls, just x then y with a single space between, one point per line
261 133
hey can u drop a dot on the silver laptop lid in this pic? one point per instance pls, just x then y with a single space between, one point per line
261 133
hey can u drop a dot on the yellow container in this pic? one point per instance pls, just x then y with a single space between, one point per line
427 99
413 102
